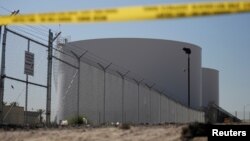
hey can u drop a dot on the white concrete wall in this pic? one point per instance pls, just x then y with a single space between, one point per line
171 114
153 107
130 101
113 98
144 104
67 85
164 109
91 96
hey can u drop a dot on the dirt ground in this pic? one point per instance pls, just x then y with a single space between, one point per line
139 133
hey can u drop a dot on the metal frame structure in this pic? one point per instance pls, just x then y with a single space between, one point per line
49 72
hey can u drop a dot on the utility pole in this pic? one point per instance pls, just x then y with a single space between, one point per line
49 75
2 72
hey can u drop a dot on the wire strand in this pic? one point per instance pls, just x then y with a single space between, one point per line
23 30
13 104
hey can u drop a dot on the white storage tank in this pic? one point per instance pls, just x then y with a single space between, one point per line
210 86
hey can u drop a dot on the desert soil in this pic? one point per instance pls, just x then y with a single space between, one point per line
139 133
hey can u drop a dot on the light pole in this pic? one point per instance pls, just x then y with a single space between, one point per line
78 85
244 111
188 52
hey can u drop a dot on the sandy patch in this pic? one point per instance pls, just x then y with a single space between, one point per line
139 133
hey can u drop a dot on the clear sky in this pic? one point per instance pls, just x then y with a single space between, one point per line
225 40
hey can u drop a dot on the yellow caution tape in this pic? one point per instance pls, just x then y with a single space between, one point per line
135 13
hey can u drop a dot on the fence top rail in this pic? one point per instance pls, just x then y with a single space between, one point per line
28 38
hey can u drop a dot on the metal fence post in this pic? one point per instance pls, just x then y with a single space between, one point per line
78 58
150 87
104 89
138 100
160 93
122 76
2 72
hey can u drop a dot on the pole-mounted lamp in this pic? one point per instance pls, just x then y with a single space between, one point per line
188 52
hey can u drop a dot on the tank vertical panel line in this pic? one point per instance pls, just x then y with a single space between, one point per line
104 96
160 108
2 72
174 104
138 104
150 106
123 114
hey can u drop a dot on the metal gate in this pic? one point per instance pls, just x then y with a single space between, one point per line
23 70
